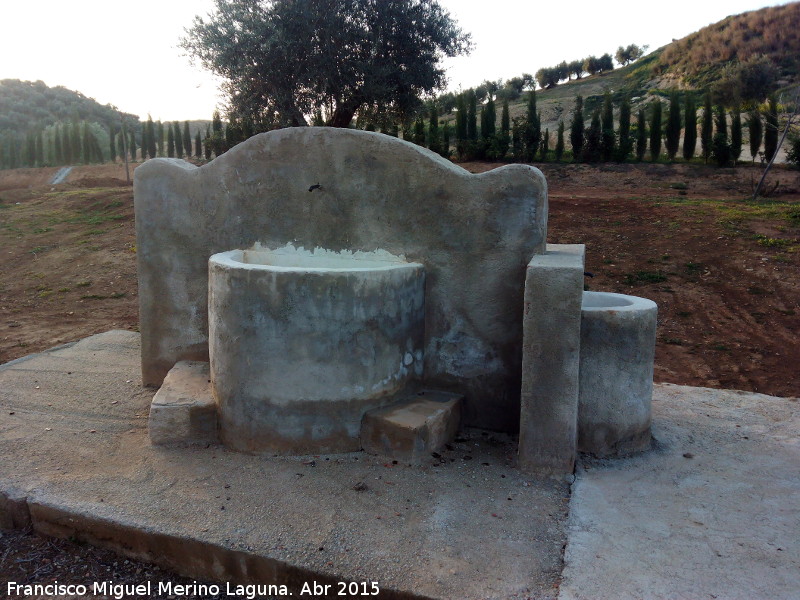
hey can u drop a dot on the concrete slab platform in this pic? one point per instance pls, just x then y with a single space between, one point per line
76 459
713 511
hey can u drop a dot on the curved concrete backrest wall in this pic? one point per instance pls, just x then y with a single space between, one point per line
352 190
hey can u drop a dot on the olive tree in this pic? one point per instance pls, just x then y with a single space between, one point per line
280 60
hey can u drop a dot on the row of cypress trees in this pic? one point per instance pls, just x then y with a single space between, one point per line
522 139
60 144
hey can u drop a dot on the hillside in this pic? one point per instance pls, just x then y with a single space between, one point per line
30 105
771 34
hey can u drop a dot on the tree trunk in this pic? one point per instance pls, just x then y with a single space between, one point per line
342 116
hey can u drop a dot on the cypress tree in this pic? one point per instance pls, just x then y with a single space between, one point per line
690 131
187 140
655 131
505 119
756 132
608 140
533 130
59 154
516 141
66 156
207 143
461 118
170 142
706 128
489 120
673 133
419 133
736 134
472 117
592 145
771 129
576 130
75 141
504 139
625 142
544 149
641 135
720 149
39 148
198 145
433 129
445 151
559 151
159 138
178 137
87 145
112 147
152 147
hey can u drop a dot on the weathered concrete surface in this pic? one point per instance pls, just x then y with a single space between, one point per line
474 233
413 428
302 345
76 448
551 353
183 410
712 512
618 347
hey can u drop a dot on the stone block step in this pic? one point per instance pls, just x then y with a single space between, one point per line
412 428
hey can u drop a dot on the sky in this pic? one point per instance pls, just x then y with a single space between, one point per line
126 53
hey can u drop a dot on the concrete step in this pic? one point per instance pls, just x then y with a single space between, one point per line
413 427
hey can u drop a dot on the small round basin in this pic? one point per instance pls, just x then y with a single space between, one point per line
618 337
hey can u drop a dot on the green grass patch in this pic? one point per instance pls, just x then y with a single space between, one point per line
114 296
770 242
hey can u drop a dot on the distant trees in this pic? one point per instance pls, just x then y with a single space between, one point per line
629 54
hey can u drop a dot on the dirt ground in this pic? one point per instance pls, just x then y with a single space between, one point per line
724 271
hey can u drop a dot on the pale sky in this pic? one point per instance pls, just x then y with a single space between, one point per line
126 54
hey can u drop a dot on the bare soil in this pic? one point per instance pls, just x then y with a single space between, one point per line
724 271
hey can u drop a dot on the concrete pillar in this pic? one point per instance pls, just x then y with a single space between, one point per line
551 336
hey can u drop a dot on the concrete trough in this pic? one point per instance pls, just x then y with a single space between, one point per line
618 337
303 343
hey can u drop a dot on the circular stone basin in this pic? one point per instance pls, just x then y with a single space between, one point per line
303 343
618 338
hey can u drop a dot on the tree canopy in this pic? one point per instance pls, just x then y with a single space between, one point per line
283 59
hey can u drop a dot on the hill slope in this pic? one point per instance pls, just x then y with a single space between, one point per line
29 105
771 33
